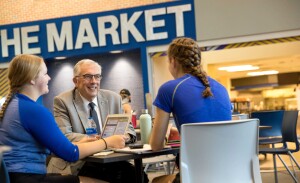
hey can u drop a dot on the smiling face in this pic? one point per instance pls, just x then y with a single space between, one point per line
42 79
88 88
27 74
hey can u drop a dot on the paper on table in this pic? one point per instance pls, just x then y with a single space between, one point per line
146 147
104 153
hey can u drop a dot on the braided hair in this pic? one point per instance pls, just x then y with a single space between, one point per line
186 52
22 69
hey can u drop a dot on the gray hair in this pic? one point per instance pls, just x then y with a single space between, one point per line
77 67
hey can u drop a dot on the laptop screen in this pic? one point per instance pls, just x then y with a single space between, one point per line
115 124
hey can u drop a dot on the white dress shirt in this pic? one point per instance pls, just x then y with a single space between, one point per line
88 108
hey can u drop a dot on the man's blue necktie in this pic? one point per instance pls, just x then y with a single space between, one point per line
94 115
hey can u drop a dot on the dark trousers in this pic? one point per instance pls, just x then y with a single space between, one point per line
42 178
117 172
177 161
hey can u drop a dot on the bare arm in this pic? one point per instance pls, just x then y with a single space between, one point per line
89 148
160 126
87 139
127 108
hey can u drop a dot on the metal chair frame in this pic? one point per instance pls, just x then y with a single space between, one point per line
4 177
289 134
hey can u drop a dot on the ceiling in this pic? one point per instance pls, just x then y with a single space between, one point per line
283 57
281 64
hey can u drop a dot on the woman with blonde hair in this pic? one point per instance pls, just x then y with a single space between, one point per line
31 131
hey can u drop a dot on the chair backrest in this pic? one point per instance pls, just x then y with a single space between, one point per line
239 116
289 128
269 118
4 177
217 151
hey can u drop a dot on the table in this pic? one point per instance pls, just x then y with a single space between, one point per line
265 127
138 159
114 157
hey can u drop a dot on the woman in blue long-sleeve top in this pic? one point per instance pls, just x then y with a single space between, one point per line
30 128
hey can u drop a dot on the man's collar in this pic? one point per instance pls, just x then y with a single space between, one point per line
86 102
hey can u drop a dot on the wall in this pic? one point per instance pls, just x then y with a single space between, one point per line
219 19
3 83
278 98
119 71
17 11
160 72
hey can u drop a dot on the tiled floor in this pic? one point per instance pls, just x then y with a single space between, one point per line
267 176
155 171
266 167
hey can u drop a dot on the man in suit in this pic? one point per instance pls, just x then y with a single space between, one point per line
72 110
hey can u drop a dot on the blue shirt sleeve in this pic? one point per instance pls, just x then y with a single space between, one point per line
38 121
163 99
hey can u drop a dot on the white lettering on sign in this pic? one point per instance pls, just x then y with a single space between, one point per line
60 40
112 30
19 43
151 24
15 41
128 26
101 31
85 34
26 40
178 11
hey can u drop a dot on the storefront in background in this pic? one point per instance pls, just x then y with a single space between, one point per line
142 34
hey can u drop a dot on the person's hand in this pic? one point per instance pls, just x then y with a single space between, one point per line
168 132
127 138
89 139
116 141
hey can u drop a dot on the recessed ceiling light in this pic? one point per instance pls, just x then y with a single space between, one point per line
262 73
116 51
238 68
59 58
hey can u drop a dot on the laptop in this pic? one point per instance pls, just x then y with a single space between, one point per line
115 124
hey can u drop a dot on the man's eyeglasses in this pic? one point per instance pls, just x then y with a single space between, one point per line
89 77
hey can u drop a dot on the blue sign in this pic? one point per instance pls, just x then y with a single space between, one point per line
99 32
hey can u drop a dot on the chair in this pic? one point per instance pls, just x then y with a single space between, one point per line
269 118
157 160
289 134
239 116
4 177
273 119
166 160
217 151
